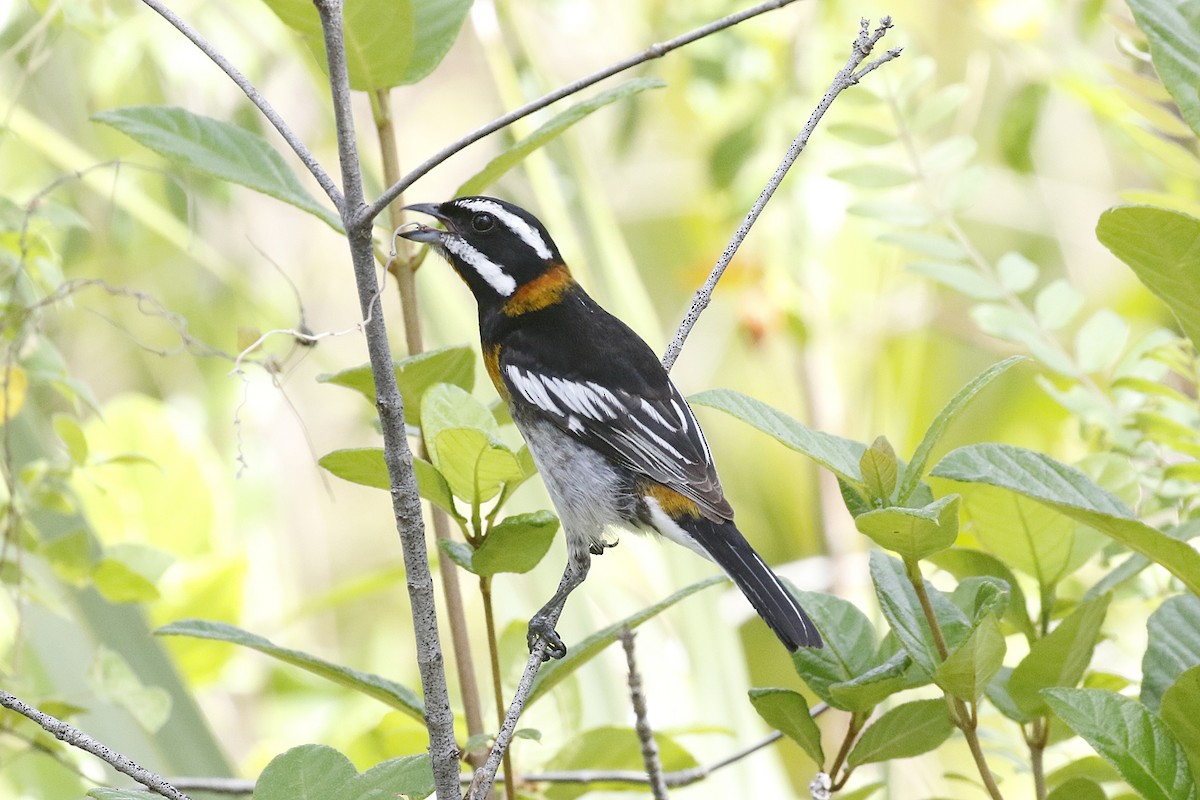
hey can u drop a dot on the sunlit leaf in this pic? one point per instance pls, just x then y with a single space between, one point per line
453 364
971 666
907 730
849 644
14 382
913 533
1059 658
1100 340
1016 272
872 176
787 711
516 544
1171 29
961 278
385 691
1057 304
1172 647
218 149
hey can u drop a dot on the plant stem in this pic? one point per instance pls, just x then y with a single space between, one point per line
856 724
485 592
1037 749
962 717
406 503
645 734
405 274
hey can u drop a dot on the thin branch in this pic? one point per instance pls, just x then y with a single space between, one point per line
650 53
406 503
845 78
77 738
481 783
645 734
255 97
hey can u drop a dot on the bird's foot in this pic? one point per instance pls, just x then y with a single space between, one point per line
598 548
541 627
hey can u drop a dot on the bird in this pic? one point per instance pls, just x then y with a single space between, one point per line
615 441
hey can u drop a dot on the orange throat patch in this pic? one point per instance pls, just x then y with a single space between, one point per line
544 290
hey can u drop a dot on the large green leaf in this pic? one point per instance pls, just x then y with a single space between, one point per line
913 533
549 131
849 649
385 691
1172 646
319 772
366 467
516 544
841 456
217 149
1173 30
1163 249
902 608
911 475
463 440
1072 493
1059 658
907 730
414 375
1130 737
868 689
972 665
388 42
1179 705
787 711
579 654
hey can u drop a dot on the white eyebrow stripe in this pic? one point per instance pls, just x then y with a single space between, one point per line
489 270
520 227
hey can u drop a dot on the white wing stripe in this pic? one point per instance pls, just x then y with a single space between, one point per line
661 441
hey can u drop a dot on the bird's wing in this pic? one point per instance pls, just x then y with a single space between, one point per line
652 431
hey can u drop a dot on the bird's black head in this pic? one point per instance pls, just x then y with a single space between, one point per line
495 246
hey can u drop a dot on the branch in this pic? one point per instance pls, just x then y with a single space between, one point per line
845 78
654 770
650 53
243 83
77 738
406 503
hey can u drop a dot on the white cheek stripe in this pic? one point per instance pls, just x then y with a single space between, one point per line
489 270
514 223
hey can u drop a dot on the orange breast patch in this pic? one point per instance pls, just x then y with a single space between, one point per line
544 290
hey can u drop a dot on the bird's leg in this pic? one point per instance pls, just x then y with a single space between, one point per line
541 626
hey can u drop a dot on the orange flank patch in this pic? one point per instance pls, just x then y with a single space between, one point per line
673 503
491 360
544 290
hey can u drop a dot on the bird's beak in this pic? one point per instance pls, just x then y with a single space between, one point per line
423 233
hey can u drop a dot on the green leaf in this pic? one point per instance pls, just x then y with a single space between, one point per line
849 649
963 279
579 654
930 244
872 176
938 107
900 606
1163 249
1093 767
1018 124
893 212
972 665
1025 534
366 467
1060 658
216 149
1100 341
388 43
404 776
1017 273
914 533
549 131
307 772
1078 789
69 430
963 562
997 692
1172 29
385 691
907 730
950 155
1072 493
1179 704
112 678
414 375
787 711
879 469
1130 737
463 441
915 468
516 544
1057 304
840 456
868 689
610 749
129 572
864 135
1172 646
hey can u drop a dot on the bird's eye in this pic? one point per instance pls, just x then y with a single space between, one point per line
483 222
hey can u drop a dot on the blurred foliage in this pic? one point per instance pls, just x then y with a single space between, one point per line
164 421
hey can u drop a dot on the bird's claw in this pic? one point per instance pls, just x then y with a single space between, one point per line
598 548
541 628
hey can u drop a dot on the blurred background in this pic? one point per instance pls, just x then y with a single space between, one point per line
1007 126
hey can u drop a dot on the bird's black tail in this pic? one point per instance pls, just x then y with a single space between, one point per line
773 602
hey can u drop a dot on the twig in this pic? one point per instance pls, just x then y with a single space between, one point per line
645 734
406 503
255 97
77 738
650 53
845 78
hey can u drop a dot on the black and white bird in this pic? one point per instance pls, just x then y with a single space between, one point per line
614 440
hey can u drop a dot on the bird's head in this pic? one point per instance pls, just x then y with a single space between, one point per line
496 247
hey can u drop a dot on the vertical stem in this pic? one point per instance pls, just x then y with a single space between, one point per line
485 591
406 503
405 273
1037 748
645 734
